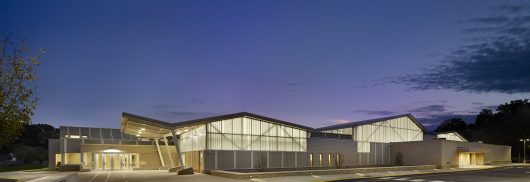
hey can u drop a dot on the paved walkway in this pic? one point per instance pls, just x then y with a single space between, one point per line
24 176
163 176
147 175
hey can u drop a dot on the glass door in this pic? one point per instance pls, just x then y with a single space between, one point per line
115 161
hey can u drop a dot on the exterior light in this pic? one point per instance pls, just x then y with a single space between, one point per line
524 148
137 135
185 130
143 129
111 151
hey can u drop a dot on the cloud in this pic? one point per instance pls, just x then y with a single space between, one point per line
294 86
436 108
170 112
197 101
377 113
497 60
340 121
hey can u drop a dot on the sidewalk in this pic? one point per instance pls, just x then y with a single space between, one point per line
372 175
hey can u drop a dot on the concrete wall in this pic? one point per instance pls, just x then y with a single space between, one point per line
226 159
417 152
444 153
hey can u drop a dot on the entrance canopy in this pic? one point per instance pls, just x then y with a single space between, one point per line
140 126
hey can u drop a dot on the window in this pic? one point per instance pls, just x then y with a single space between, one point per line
320 159
310 159
329 159
338 159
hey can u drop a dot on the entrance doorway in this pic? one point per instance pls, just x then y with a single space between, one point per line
115 161
470 159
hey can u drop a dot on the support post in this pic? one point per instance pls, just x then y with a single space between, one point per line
63 151
169 153
177 147
159 153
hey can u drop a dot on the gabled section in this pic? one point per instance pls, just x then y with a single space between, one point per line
451 135
370 121
147 127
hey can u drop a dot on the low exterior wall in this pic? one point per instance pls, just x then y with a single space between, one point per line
239 175
444 153
224 160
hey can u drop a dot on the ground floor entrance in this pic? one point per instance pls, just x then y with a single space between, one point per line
115 161
470 159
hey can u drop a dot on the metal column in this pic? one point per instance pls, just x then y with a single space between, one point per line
159 152
177 147
169 153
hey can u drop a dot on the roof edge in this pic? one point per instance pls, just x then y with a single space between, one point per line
369 121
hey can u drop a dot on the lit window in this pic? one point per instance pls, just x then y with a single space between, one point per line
310 159
329 159
320 159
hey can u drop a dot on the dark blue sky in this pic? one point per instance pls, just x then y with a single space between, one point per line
300 61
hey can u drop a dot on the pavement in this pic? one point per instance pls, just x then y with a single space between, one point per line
24 175
513 173
147 175
504 174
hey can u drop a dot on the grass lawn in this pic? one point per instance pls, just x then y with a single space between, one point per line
33 167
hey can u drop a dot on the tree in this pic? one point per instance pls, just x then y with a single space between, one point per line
28 154
510 123
399 159
17 71
455 124
261 163
38 135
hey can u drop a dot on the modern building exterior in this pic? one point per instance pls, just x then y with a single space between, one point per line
364 143
248 141
448 153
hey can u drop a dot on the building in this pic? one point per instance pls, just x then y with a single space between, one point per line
364 143
248 141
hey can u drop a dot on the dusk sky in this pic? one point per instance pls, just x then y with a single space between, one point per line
313 63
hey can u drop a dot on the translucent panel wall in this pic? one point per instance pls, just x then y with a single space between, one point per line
394 130
451 136
193 140
93 133
252 134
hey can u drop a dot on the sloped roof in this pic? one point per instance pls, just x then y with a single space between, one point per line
168 125
455 132
369 121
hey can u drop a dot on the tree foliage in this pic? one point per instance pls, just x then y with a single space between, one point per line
17 71
506 126
455 124
28 154
38 135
